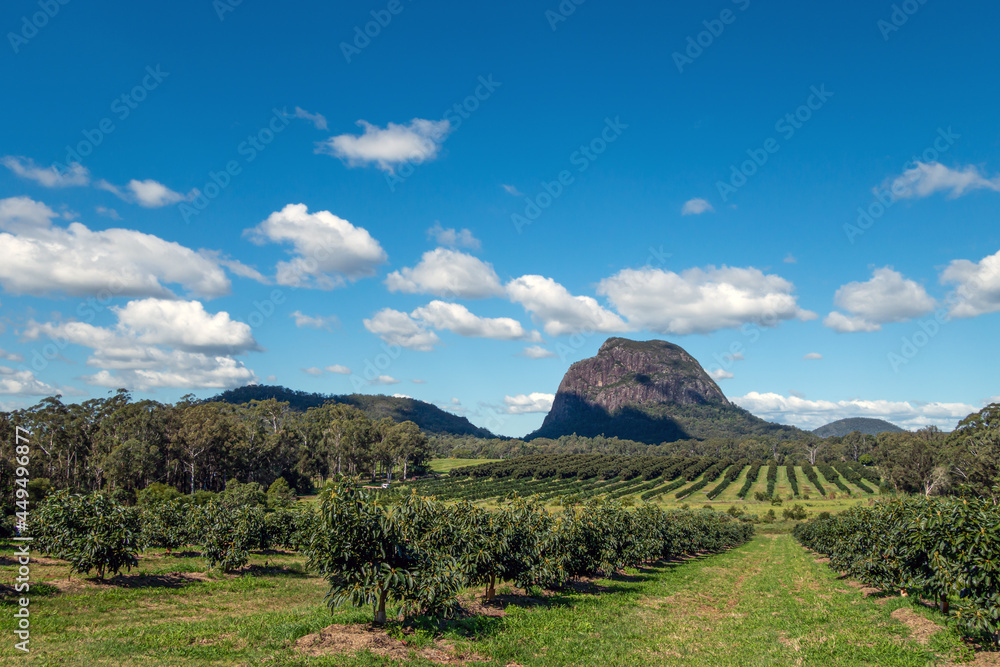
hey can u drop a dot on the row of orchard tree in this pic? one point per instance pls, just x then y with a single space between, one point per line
117 444
382 548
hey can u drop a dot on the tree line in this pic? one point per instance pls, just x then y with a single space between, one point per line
120 446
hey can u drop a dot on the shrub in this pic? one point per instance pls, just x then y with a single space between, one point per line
238 494
156 493
230 533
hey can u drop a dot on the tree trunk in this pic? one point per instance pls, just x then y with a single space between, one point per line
405 461
945 605
380 608
491 590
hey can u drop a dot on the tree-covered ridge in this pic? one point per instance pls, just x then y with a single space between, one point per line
864 425
430 418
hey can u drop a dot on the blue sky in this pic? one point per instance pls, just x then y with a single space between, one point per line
460 203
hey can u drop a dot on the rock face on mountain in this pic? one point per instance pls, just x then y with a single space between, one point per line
650 391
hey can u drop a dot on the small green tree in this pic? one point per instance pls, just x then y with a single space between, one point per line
280 494
239 494
167 525
91 532
230 532
155 494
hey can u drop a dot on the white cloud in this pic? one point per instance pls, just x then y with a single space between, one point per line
328 322
720 374
447 273
39 258
701 300
159 344
108 212
453 238
313 371
147 193
457 318
696 206
926 179
419 381
384 380
977 288
790 259
887 297
402 396
338 369
11 356
317 119
328 250
184 325
418 141
536 352
813 355
511 190
50 177
559 311
813 414
23 383
528 403
398 328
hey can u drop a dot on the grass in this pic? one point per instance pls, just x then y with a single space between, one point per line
768 602
445 465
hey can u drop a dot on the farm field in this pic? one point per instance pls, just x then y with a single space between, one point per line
553 490
768 602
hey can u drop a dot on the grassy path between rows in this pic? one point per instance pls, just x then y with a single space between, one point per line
768 602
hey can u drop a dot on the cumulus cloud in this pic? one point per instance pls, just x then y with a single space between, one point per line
559 311
398 328
457 318
810 415
528 403
701 300
384 380
313 371
696 206
813 355
453 238
328 322
147 193
317 119
720 374
158 343
338 369
926 179
447 273
328 251
23 383
417 141
51 177
977 286
536 352
39 258
887 297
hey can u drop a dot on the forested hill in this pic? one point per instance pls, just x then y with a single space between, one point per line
429 418
865 425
